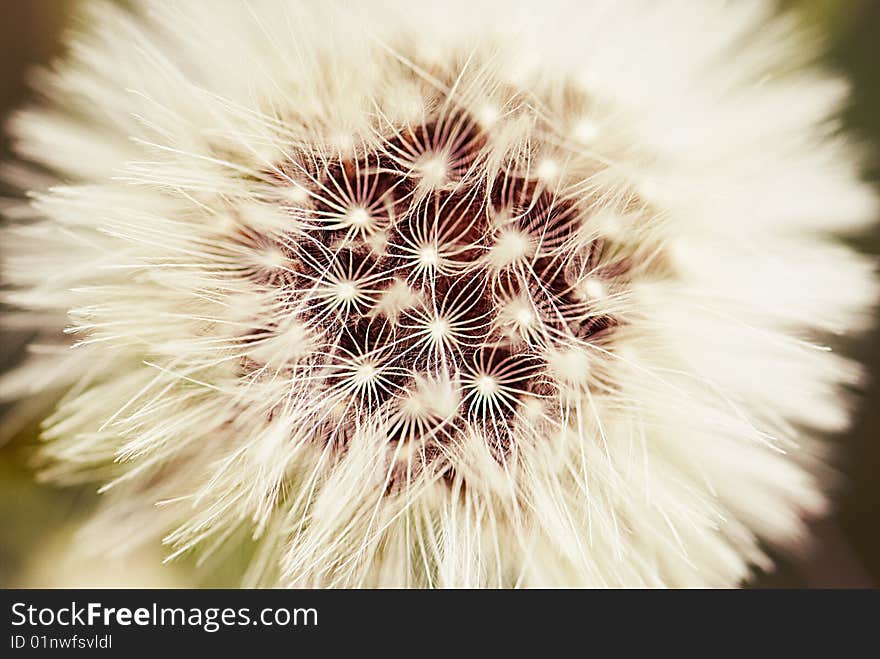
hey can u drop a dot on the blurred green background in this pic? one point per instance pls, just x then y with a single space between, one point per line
37 522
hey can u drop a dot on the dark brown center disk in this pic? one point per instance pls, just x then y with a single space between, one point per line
398 265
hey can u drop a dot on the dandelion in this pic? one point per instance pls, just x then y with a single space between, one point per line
459 296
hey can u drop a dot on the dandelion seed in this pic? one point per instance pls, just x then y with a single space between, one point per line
586 131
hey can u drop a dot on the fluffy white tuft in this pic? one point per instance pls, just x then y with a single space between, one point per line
473 295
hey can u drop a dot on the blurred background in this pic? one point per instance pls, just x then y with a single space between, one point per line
38 522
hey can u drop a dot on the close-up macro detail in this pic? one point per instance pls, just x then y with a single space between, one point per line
439 295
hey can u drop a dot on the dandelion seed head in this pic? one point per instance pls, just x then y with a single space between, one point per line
417 301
